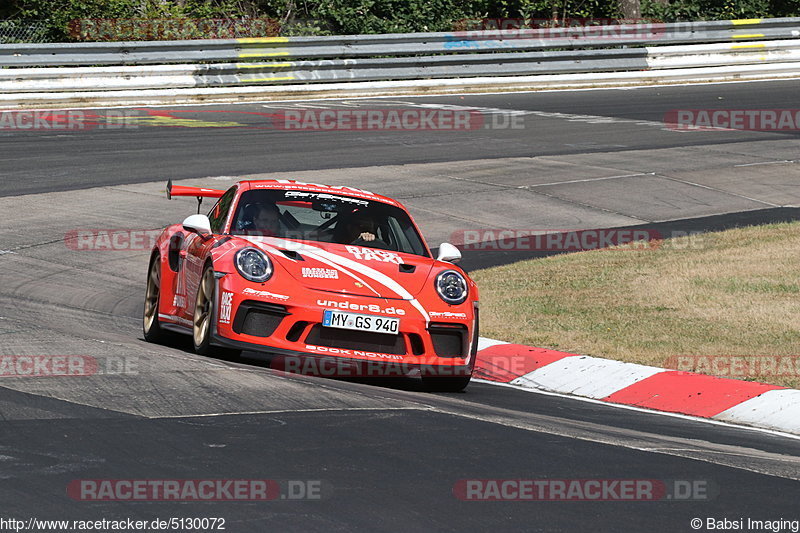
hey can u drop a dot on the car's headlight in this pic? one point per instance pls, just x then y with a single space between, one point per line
452 287
253 265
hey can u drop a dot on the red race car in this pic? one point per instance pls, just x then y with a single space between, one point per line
314 273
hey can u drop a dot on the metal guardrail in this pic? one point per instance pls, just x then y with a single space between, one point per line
772 43
354 46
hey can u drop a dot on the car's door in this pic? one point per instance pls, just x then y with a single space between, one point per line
195 250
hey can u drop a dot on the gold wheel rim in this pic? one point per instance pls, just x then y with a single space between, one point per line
202 308
151 296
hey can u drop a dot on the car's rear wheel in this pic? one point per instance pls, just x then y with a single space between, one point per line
445 384
204 318
151 327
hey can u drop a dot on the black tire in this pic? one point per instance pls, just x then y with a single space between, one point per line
203 319
151 327
445 384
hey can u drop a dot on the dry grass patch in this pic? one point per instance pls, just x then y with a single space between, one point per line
732 293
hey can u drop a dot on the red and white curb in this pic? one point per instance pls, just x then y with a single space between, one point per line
728 400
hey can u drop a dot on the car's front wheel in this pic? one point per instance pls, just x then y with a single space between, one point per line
204 318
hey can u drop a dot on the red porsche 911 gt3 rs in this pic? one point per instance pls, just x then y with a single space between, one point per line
303 270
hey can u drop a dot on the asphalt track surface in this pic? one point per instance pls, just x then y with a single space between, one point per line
386 454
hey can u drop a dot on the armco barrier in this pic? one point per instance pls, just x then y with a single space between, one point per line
352 46
684 51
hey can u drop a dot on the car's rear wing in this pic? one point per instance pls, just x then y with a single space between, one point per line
197 192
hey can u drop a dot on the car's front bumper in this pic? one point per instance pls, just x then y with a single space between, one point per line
266 321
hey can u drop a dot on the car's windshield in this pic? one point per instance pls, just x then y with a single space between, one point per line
323 217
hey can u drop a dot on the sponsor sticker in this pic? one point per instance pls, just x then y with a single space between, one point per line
371 308
225 305
355 353
264 294
323 273
371 254
446 314
324 196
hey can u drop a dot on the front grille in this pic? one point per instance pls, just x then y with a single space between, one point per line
258 319
448 339
356 340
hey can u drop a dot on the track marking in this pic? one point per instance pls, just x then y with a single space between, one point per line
643 410
587 180
434 95
785 161
291 411
687 182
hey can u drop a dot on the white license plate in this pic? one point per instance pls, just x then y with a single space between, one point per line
376 324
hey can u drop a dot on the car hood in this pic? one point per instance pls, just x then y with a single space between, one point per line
354 270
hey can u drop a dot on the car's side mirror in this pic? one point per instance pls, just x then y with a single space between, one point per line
449 253
197 224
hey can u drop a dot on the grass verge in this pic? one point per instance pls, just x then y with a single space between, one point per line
724 303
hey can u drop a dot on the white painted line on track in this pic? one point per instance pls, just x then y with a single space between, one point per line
442 95
687 182
641 409
766 163
286 411
587 180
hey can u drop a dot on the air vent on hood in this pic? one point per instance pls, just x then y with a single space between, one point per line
291 254
405 268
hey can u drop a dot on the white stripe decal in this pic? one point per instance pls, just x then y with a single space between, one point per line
362 269
177 319
340 268
294 246
381 278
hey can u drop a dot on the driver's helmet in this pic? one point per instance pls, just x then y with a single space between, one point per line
351 225
260 218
